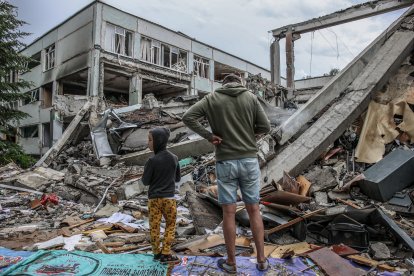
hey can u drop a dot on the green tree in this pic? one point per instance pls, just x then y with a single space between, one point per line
11 63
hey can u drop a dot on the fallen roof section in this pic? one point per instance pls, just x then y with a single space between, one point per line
304 150
334 87
353 13
184 149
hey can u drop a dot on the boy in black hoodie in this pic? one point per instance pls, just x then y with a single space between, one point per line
160 173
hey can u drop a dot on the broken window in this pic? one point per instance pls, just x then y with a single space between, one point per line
156 52
202 67
47 137
177 59
49 57
11 77
118 40
174 56
182 62
33 96
29 131
47 95
74 84
11 105
35 61
166 55
146 49
161 54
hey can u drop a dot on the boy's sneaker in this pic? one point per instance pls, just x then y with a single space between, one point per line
157 257
169 258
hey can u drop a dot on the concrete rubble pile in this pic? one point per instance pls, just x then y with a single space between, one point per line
78 203
265 89
332 193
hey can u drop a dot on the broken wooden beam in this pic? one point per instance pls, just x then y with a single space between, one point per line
81 223
127 248
371 263
292 222
114 244
102 247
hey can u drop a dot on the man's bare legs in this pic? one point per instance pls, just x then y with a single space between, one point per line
256 224
229 230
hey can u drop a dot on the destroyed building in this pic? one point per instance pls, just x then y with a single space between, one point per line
337 195
103 51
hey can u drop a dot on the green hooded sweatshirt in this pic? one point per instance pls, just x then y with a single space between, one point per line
235 115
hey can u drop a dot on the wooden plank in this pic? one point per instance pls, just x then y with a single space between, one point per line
81 223
292 222
114 244
304 185
346 202
371 263
127 248
290 250
332 264
101 246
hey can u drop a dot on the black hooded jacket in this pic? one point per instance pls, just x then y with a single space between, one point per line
161 170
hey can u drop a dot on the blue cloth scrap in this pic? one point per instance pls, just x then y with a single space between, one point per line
9 258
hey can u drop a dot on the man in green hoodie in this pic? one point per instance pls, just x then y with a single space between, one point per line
235 116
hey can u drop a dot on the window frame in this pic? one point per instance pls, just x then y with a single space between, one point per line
33 134
34 97
121 40
200 61
157 53
49 54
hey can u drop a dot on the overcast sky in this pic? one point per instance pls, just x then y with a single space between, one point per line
239 27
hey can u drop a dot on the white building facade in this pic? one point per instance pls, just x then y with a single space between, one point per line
103 51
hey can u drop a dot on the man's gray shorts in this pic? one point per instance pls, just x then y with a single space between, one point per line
243 173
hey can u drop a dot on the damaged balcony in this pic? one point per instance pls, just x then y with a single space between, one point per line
163 89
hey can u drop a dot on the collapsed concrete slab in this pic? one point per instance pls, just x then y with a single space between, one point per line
66 136
334 87
182 150
304 150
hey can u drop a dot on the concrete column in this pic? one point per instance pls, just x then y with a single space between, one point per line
211 74
290 66
137 45
275 61
190 68
101 79
94 73
97 24
55 90
191 90
135 90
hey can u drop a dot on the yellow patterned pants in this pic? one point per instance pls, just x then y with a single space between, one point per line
158 208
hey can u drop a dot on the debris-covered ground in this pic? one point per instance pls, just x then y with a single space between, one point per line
338 215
